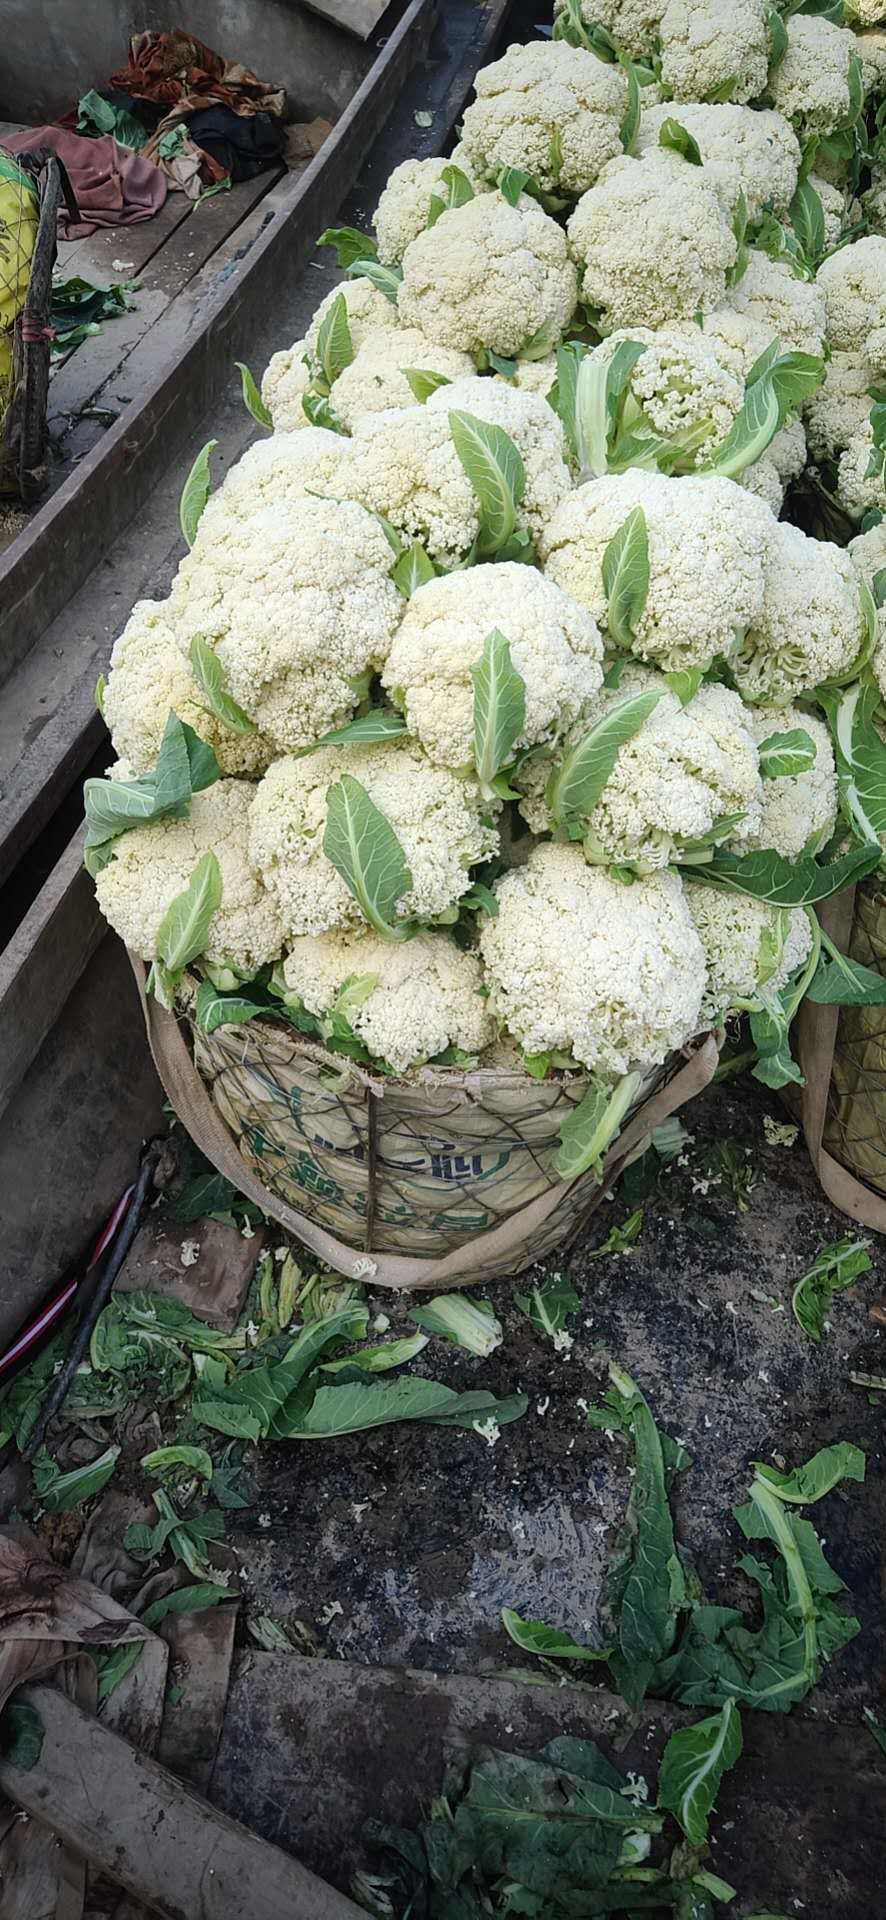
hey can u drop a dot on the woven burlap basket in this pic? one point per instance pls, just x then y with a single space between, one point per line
432 1179
842 1052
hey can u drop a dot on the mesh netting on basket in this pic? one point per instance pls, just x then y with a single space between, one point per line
855 1131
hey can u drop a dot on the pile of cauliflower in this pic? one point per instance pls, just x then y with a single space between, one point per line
491 715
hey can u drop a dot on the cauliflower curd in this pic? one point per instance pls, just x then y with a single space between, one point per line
549 108
709 47
443 826
654 242
578 961
149 679
425 994
152 864
555 646
708 545
736 933
751 149
811 624
298 604
489 277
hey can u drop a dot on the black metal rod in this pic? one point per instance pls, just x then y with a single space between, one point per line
59 1389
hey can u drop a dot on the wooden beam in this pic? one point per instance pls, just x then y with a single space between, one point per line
154 1836
43 962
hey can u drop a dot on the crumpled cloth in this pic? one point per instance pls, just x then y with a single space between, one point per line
113 186
176 70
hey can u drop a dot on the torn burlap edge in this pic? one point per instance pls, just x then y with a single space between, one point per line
513 1239
816 1040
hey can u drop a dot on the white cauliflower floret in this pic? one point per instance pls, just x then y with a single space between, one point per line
833 206
791 311
575 960
285 381
684 769
367 309
810 86
732 927
853 282
799 810
787 450
405 205
708 545
655 243
688 386
535 429
555 647
738 338
859 491
871 49
275 470
868 550
375 381
867 13
403 464
754 150
549 108
706 44
839 408
298 604
534 376
153 864
811 625
764 481
437 815
149 679
489 277
633 24
427 994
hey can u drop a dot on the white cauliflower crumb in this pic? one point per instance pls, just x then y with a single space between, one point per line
779 1133
489 1430
190 1253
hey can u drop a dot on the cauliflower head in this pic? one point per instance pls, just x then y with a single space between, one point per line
763 480
811 625
799 810
839 409
550 108
791 311
833 206
534 376
737 338
149 679
405 205
868 550
285 382
298 605
633 24
755 149
426 996
871 50
153 864
708 545
368 309
533 426
577 961
439 818
707 45
853 281
375 381
489 277
654 243
737 933
403 464
859 490
683 769
689 386
555 646
275 470
810 86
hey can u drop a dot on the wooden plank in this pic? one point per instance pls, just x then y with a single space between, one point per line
96 502
355 16
151 1833
43 962
93 257
172 266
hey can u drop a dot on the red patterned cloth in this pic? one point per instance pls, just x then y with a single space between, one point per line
176 70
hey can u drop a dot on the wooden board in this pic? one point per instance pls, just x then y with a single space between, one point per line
43 962
356 16
151 1834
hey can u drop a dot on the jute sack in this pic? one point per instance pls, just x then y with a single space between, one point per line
842 1054
435 1179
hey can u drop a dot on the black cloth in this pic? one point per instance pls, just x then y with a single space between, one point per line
244 144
